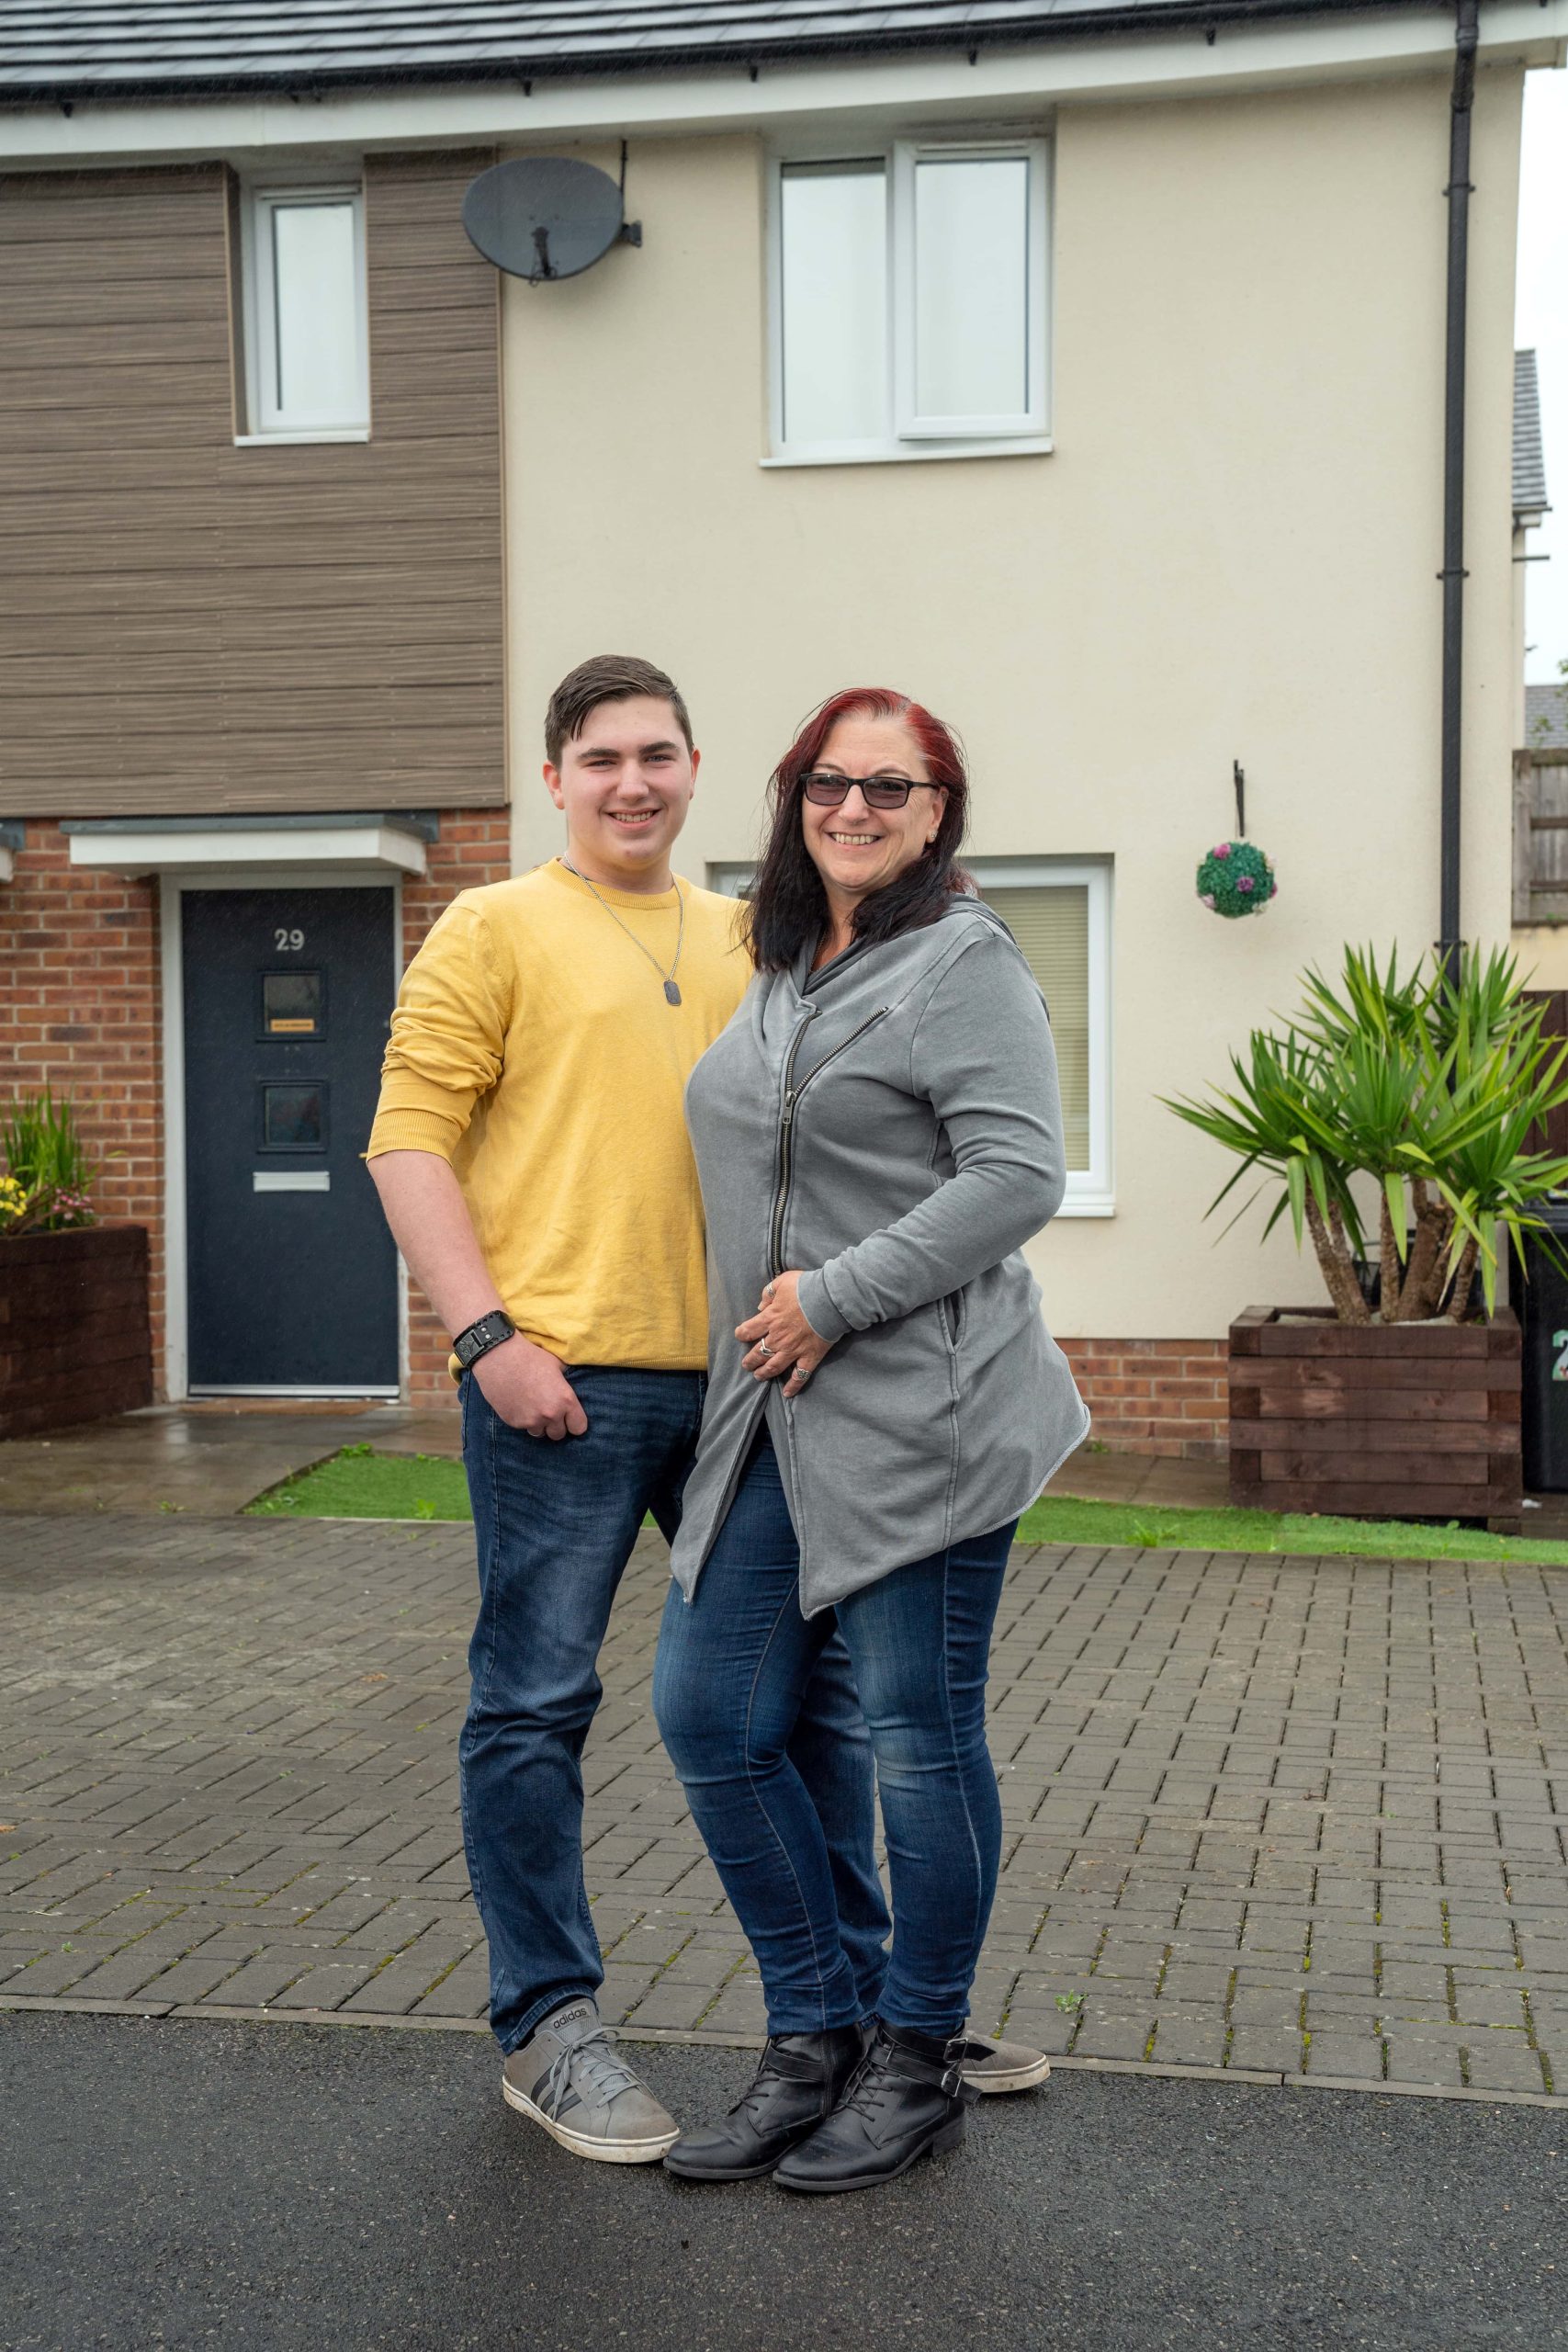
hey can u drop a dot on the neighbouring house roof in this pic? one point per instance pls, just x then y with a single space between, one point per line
1546 718
1530 462
67 50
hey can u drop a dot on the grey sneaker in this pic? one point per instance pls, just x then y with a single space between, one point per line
1003 2066
569 2078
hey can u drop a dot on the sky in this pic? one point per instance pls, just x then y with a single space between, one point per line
1541 322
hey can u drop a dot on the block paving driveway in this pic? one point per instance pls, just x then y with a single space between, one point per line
1292 1818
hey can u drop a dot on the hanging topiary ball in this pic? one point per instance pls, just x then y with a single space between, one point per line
1235 878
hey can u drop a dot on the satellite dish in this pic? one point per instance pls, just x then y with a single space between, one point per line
546 215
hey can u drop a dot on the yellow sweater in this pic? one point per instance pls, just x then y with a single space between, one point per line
533 1047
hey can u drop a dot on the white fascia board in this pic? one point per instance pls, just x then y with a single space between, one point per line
1002 83
383 848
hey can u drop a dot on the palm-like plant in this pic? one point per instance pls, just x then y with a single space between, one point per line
1428 1084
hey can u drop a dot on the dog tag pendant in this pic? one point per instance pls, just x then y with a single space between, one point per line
671 993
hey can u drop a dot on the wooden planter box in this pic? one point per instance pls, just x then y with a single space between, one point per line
1384 1420
76 1344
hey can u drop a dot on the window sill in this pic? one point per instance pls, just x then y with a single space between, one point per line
912 453
1088 1205
327 432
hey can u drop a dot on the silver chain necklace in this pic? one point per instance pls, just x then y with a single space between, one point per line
671 993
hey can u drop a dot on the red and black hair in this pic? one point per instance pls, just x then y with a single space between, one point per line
789 906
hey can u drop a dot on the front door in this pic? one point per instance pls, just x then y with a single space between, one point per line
292 1275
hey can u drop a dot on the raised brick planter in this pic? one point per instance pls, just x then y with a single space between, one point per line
74 1339
1384 1420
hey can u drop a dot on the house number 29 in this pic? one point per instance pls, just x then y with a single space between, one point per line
288 943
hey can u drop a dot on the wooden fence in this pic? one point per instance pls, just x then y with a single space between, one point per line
1541 836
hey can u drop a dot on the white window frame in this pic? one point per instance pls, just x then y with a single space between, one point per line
1091 1191
264 421
910 437
908 425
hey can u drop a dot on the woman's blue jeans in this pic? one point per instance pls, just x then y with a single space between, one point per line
733 1669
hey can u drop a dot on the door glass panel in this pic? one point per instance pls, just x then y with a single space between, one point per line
291 1004
294 1118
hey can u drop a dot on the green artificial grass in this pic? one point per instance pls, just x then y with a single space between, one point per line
358 1483
1063 1518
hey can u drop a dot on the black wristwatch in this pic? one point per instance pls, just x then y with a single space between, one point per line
489 1331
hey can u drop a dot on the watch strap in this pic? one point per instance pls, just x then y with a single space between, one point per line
490 1331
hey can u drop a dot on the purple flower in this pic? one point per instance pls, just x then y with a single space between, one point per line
1207 897
1222 849
1245 882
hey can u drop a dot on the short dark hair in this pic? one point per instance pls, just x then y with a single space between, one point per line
789 906
608 677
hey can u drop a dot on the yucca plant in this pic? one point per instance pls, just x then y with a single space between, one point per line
1427 1083
50 1173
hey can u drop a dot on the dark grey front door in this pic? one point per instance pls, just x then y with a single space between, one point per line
292 1276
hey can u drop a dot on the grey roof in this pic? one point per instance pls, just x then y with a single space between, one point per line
1530 462
125 48
1546 718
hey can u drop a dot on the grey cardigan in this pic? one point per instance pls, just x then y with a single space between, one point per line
891 1123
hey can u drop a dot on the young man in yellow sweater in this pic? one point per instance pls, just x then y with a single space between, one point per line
530 1151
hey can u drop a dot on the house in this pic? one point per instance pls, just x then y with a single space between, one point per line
1541 753
1080 372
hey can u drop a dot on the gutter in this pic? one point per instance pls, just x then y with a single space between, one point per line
1452 575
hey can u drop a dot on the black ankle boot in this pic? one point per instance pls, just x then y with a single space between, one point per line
907 2097
798 2083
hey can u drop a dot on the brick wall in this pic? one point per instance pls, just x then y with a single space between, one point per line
1154 1395
475 847
81 1012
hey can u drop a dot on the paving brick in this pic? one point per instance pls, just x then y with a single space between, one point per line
1503 2061
1358 2057
1265 2050
325 1987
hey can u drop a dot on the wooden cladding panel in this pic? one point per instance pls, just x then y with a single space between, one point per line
188 627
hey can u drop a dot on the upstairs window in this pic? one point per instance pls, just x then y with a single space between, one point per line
306 341
909 310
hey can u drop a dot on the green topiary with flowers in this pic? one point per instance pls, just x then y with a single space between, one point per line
1235 878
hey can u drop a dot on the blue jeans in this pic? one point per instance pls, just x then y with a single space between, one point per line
555 1524
733 1670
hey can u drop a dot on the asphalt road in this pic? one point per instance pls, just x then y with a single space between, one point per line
265 2188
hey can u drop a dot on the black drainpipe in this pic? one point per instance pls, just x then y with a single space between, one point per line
1453 573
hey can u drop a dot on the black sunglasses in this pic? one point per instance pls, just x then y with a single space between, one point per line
830 791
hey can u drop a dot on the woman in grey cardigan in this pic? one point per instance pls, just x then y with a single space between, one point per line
877 1133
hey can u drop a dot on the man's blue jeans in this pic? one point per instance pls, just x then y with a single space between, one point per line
734 1665
555 1523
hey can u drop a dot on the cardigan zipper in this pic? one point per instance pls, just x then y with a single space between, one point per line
792 1094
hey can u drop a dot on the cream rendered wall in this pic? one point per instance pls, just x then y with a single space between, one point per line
1231 552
